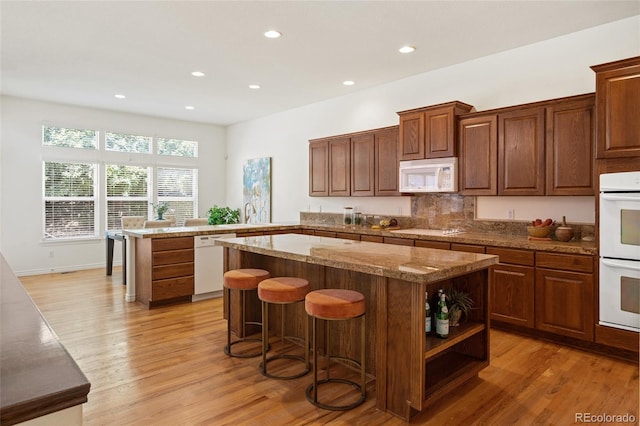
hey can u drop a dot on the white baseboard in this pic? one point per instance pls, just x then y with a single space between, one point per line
62 269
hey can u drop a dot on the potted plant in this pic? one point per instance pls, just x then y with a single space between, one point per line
459 303
223 215
160 209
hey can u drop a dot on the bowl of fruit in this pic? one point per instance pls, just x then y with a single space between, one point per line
540 228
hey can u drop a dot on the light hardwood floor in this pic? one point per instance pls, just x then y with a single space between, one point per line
166 367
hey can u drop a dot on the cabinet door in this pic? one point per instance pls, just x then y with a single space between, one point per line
570 146
618 108
512 294
564 303
521 161
386 162
411 136
319 168
340 167
440 138
362 165
479 155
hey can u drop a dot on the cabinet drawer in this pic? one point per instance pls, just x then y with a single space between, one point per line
172 256
467 247
565 262
398 241
348 236
170 288
433 244
372 238
161 244
325 234
512 256
308 232
172 271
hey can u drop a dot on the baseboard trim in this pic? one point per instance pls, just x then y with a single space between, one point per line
62 269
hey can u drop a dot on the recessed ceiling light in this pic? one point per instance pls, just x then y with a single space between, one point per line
273 34
407 49
119 96
254 86
189 107
197 74
349 82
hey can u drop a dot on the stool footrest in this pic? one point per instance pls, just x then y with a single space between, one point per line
284 356
227 348
319 404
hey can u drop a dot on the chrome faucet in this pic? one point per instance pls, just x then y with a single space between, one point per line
246 215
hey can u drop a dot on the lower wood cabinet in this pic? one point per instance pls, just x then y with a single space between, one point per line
512 294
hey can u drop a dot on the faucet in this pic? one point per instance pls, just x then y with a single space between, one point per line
247 215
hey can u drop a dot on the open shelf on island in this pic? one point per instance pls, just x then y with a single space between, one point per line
448 372
436 346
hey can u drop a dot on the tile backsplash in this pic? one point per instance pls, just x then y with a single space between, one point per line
443 211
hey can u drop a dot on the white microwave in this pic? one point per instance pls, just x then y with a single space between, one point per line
431 175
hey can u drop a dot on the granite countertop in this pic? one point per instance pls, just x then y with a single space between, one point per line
37 374
478 238
415 264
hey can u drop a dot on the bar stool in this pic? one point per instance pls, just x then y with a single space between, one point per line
242 280
283 291
335 305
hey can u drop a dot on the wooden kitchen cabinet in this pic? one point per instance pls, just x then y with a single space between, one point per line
618 108
511 284
362 165
565 299
340 167
570 147
478 140
521 160
430 132
386 162
319 168
164 270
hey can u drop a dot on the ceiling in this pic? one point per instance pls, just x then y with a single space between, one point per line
83 53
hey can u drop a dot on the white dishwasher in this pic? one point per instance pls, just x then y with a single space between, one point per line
208 265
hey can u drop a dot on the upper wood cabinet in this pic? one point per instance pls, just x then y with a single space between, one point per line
544 148
618 108
570 142
319 168
430 132
386 162
356 164
521 161
478 159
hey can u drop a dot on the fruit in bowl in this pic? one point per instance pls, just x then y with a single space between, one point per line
541 228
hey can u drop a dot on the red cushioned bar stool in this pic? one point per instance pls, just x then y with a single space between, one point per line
335 305
242 280
282 291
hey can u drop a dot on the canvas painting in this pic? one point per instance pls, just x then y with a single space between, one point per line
256 190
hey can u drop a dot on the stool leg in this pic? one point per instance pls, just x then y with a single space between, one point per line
265 335
306 342
362 356
282 326
227 349
328 348
314 349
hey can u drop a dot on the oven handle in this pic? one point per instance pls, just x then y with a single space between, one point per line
617 197
614 264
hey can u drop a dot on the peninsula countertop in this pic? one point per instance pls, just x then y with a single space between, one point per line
414 264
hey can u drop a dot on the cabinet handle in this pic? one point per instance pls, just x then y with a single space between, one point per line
614 264
616 197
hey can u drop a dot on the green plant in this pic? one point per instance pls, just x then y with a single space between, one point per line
459 303
160 209
223 215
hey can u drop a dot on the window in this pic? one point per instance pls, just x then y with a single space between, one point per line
127 143
177 147
127 193
69 138
69 200
177 187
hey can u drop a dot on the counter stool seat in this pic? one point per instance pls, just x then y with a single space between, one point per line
282 291
242 280
335 305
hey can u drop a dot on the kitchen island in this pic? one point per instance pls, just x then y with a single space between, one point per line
411 370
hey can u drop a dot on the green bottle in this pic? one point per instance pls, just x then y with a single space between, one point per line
442 318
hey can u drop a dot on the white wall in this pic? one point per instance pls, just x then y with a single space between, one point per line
545 70
21 174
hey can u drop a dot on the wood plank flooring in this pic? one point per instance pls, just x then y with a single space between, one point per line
166 367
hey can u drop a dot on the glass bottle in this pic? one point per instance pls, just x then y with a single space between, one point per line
357 218
427 314
347 215
442 318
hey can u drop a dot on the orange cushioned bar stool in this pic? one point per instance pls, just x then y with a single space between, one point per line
282 291
335 305
242 280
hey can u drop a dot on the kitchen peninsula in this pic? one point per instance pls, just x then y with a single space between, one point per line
411 370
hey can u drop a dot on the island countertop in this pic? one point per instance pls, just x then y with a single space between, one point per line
414 264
